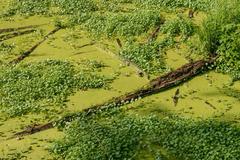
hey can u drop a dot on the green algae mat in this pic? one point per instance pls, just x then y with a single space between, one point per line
71 72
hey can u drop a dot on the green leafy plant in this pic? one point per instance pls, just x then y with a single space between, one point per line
229 51
93 64
122 24
224 13
29 7
29 87
219 35
125 137
6 48
174 4
75 6
44 7
145 56
178 27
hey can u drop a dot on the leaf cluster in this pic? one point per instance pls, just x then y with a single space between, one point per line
30 87
178 27
125 137
122 24
220 35
146 56
203 5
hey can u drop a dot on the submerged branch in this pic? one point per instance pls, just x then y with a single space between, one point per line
28 52
15 34
5 30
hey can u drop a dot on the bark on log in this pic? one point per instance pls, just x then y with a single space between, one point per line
161 83
34 129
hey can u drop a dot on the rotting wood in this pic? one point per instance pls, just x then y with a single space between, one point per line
161 83
34 129
28 52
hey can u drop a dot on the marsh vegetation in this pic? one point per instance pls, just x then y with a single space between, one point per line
120 79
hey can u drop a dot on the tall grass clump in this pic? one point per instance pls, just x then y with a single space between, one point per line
219 35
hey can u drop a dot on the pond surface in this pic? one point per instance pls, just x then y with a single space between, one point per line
200 97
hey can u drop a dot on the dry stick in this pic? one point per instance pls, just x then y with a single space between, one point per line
161 83
28 52
15 34
19 28
34 129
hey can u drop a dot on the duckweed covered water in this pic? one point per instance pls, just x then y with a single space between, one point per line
201 97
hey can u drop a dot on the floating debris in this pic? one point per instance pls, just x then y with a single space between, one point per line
176 97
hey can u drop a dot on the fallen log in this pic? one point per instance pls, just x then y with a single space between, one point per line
161 83
34 129
28 52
